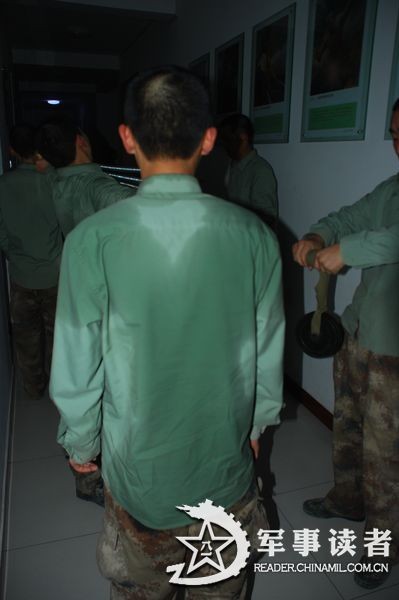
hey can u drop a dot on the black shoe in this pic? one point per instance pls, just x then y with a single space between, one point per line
372 579
97 496
316 507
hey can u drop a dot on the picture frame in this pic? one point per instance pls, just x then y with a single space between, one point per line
271 75
228 77
337 75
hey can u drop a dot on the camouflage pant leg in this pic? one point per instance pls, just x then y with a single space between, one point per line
366 439
135 557
27 317
381 448
350 380
250 512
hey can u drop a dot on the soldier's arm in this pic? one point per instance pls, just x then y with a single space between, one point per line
270 325
106 191
77 373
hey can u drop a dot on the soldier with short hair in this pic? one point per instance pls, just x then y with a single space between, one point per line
366 370
250 179
81 187
169 343
31 239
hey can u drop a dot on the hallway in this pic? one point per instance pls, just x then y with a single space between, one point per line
52 535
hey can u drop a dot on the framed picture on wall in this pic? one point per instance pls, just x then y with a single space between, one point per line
272 52
228 76
394 86
338 59
200 67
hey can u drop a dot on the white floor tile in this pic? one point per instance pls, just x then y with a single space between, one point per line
44 507
291 585
35 430
290 505
301 454
297 454
64 570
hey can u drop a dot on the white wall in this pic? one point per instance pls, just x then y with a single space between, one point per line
314 178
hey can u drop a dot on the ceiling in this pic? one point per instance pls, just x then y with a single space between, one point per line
62 26
55 26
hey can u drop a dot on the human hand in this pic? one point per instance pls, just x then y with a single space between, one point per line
255 447
88 467
301 249
329 260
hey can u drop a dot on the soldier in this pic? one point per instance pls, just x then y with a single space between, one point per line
250 179
169 341
366 370
31 239
81 187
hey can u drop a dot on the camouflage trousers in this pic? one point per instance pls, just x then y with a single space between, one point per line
135 557
32 318
366 439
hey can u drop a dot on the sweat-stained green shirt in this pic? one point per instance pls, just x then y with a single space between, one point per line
82 190
368 234
29 232
251 183
168 347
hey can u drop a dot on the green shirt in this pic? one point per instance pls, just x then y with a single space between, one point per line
29 232
251 183
82 190
368 234
169 325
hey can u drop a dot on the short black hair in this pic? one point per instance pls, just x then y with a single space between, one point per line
396 105
234 125
22 140
168 110
56 141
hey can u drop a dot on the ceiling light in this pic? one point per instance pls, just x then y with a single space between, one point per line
53 102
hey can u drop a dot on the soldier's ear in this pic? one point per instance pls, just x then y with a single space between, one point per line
128 139
208 140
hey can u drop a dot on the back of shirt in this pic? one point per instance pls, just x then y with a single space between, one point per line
29 232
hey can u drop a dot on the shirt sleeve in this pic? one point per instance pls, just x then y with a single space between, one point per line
353 227
346 221
371 248
77 373
270 327
107 191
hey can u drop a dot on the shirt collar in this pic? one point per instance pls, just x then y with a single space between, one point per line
173 183
78 169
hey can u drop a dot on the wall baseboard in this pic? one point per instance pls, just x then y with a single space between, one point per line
307 400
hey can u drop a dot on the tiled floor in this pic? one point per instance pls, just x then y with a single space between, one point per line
52 535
